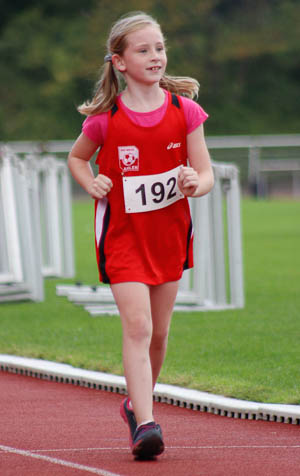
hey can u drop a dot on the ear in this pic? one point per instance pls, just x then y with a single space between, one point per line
118 63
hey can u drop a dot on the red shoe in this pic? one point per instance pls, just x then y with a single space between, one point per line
148 441
129 418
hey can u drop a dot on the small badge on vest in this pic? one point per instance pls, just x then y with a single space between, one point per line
129 158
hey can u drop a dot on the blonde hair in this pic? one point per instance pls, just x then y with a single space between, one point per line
109 85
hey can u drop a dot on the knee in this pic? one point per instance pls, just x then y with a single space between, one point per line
159 340
138 328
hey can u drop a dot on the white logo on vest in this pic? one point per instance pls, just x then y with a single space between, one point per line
129 158
173 145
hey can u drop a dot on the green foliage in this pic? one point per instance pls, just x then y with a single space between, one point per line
245 55
39 64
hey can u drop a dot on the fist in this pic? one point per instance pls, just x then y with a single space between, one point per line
100 186
188 181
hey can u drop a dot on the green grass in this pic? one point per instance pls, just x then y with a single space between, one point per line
250 353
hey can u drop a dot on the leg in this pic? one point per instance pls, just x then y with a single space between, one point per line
162 302
133 301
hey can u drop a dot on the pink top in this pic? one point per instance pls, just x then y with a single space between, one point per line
95 127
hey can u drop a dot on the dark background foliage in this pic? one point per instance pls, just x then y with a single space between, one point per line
245 54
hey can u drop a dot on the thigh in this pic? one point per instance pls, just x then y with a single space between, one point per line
133 301
162 303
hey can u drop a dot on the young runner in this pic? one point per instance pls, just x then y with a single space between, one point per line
152 157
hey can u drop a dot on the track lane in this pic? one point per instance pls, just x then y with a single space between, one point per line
82 426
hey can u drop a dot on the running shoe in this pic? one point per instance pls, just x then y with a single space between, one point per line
148 441
129 418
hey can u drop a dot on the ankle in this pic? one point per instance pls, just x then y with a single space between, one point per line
145 422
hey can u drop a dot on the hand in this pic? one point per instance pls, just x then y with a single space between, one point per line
188 181
100 186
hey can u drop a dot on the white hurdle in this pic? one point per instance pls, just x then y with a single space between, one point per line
10 257
20 268
35 222
55 210
216 281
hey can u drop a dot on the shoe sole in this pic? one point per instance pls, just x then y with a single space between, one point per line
149 446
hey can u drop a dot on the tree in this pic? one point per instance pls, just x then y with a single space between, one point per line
245 53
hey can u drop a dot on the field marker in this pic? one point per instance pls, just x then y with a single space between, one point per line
61 462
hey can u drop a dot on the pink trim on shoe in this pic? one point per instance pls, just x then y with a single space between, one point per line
129 418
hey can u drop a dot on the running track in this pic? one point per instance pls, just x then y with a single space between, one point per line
55 429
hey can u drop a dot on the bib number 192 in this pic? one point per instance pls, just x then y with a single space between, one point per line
151 192
158 191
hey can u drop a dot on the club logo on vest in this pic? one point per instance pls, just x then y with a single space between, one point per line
129 158
174 145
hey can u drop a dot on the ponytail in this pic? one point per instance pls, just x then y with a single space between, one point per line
108 87
182 85
105 94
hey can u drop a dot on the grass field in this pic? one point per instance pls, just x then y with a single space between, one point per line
252 353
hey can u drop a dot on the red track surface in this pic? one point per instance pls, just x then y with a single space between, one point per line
78 431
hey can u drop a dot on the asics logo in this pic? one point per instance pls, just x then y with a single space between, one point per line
174 145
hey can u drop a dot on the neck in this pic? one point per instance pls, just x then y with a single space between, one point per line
143 99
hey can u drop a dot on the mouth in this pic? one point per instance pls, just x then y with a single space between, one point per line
154 68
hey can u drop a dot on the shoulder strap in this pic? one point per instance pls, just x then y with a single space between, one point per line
175 101
114 110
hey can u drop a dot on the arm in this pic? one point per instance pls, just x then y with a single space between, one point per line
78 163
197 179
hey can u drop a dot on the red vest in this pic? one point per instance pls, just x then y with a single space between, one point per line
152 247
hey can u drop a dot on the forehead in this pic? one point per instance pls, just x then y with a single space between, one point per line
148 33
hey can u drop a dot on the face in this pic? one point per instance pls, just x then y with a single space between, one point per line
144 59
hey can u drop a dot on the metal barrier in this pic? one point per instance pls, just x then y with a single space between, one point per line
251 154
41 186
35 222
217 277
261 159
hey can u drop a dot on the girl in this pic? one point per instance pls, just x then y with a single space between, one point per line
143 228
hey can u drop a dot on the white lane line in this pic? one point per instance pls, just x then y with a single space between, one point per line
220 447
230 447
61 462
68 450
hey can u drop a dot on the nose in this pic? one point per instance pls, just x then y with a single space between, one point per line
155 55
155 59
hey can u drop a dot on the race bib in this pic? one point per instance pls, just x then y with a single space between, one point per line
145 193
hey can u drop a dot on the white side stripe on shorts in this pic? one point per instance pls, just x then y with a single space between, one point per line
99 218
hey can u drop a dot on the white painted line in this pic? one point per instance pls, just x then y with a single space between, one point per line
61 462
200 447
74 450
233 447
